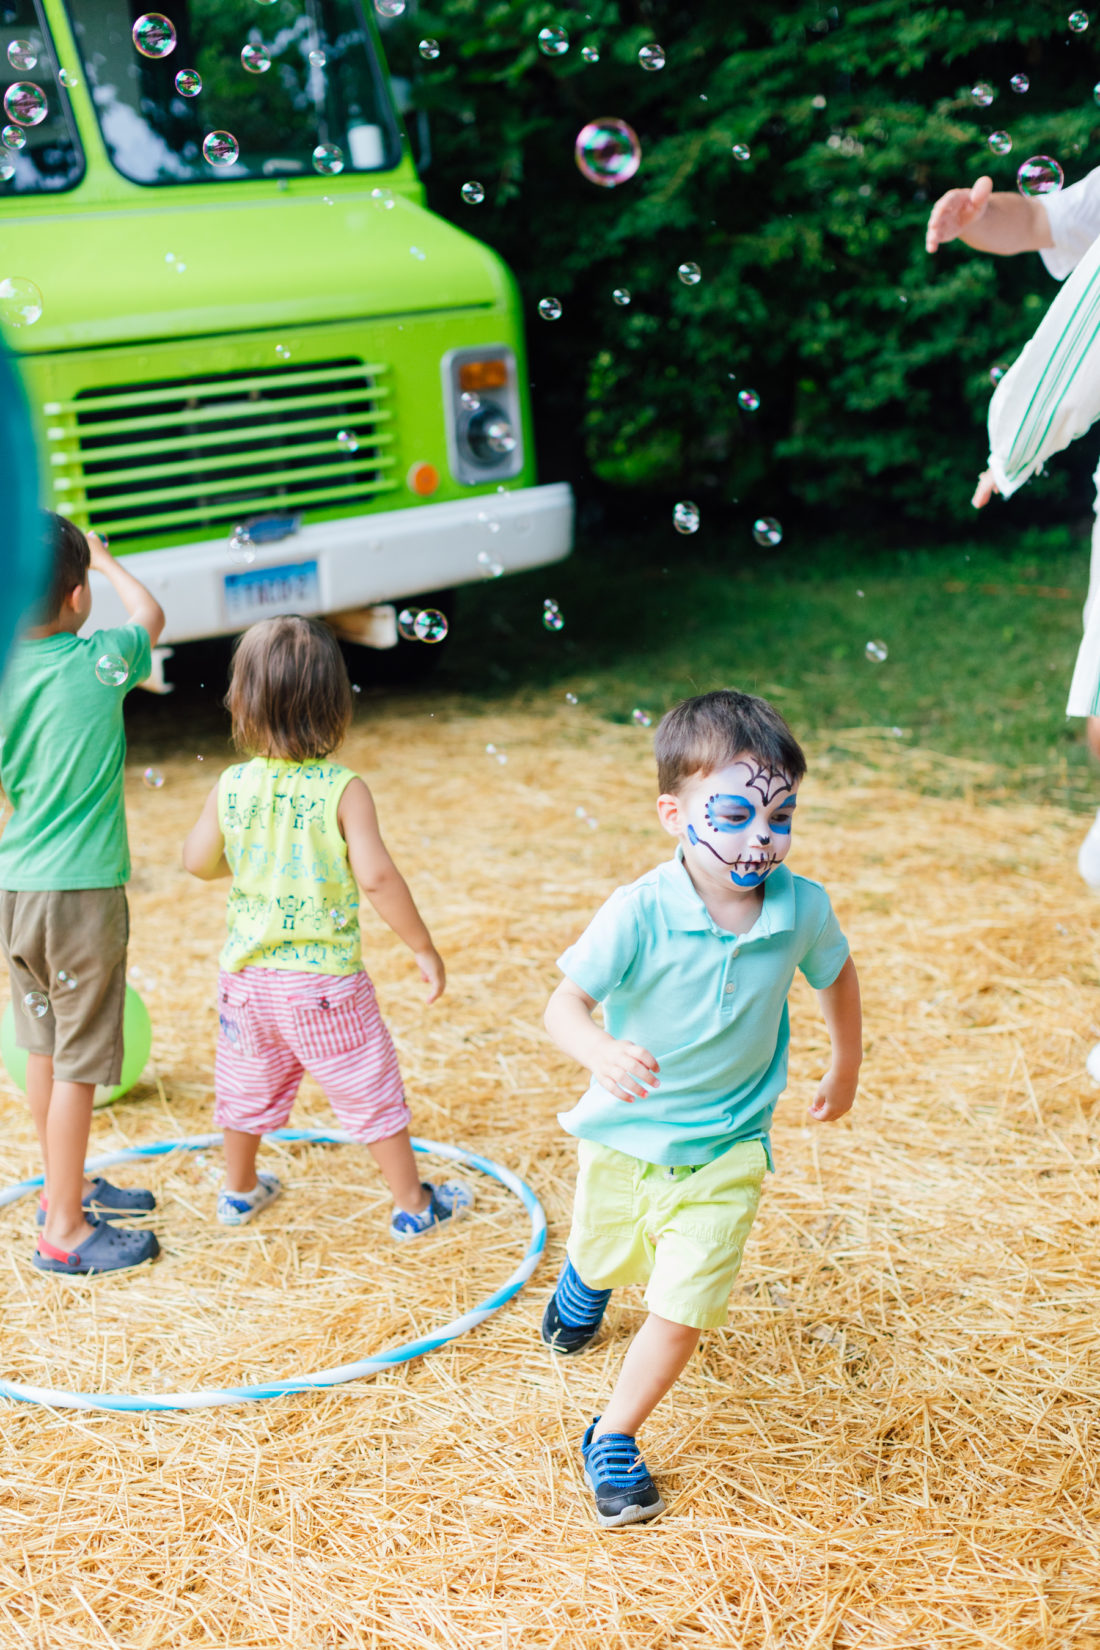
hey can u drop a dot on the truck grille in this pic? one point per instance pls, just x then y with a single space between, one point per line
209 452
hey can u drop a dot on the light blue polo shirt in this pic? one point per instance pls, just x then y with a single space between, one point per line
711 1006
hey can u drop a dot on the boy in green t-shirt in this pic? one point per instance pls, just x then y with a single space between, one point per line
64 863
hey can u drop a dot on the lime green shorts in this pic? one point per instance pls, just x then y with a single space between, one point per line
679 1231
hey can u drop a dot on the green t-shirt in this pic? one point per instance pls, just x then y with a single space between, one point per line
62 756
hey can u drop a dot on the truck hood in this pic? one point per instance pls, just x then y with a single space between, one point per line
177 269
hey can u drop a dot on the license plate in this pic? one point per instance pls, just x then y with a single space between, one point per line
290 588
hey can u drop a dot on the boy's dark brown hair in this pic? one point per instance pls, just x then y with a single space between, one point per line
69 565
289 693
709 731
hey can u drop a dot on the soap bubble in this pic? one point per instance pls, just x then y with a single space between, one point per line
13 137
641 718
1000 143
748 400
22 56
607 152
36 1004
591 54
383 199
348 440
20 301
997 372
552 616
469 402
690 274
339 918
67 78
282 352
66 980
652 57
571 698
389 8
112 669
766 530
152 779
1078 21
1041 175
317 59
26 103
189 83
473 193
429 49
254 58
220 148
876 652
553 41
685 516
621 295
741 151
7 169
499 437
406 623
1020 83
983 94
550 309
328 159
430 625
154 34
241 547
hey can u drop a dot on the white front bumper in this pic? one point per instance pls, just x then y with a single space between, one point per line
360 561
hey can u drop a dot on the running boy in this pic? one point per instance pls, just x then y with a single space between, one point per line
692 964
64 863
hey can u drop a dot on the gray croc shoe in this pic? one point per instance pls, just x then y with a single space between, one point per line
109 1202
106 1250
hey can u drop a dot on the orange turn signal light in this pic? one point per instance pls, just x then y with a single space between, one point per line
423 480
483 375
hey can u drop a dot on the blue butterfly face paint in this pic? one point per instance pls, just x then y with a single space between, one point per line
739 823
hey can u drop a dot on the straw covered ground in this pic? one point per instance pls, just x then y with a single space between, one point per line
894 1443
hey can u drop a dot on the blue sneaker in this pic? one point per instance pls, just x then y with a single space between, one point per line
444 1202
624 1491
238 1208
573 1313
109 1202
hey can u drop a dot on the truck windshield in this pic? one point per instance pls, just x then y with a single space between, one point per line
286 88
38 145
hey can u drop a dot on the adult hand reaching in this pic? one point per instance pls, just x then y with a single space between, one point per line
956 212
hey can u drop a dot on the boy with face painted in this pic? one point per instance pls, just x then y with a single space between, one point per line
692 965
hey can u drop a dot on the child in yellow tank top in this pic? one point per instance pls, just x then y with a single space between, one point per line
299 836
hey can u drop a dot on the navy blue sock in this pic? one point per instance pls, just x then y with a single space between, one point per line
579 1307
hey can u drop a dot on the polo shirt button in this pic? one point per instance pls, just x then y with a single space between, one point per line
736 950
730 987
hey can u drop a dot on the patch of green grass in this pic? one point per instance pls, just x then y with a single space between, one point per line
981 642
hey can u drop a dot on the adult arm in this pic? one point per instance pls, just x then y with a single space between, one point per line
840 1005
988 221
141 607
383 884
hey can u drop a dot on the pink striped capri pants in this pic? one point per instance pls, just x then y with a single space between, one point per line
274 1024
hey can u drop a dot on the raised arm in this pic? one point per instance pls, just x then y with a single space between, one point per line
141 607
1001 223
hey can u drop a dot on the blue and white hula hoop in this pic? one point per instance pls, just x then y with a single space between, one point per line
212 1397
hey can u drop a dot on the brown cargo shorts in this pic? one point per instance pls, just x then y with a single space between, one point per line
68 948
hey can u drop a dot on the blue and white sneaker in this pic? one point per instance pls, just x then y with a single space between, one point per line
444 1202
624 1491
573 1313
238 1208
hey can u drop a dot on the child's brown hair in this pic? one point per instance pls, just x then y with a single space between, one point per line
289 694
705 733
69 563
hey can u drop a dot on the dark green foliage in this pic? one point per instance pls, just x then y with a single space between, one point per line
871 358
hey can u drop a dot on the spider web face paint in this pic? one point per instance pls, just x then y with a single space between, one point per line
739 823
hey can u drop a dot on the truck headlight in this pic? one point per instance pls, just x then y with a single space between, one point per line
481 400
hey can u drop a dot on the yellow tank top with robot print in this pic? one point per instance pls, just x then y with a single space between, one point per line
294 902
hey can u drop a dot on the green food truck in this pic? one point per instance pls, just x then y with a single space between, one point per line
257 363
